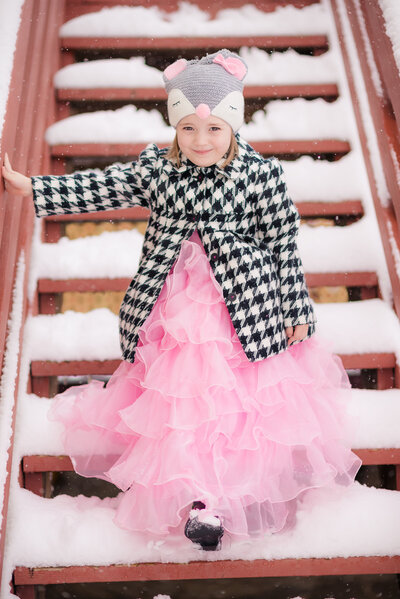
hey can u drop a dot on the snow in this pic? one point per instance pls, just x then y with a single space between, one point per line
138 21
372 142
391 15
110 72
124 125
290 67
330 522
374 416
110 254
74 336
116 254
94 335
281 119
299 119
9 375
10 17
264 69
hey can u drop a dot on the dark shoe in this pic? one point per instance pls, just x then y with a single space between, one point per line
207 535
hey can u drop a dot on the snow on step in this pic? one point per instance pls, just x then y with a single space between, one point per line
124 125
333 522
375 416
116 254
190 21
281 119
111 72
322 181
264 68
299 119
346 328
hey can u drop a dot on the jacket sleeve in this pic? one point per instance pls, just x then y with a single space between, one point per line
278 222
117 186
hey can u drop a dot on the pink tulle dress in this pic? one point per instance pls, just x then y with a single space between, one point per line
193 419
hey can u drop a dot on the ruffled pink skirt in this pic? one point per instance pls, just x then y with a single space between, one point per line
193 419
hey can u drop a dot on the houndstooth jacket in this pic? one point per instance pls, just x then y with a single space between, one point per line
246 222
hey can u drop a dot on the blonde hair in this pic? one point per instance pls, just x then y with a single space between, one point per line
174 152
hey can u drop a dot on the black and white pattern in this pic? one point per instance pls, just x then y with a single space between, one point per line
244 217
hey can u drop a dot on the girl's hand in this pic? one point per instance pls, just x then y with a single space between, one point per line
14 182
300 331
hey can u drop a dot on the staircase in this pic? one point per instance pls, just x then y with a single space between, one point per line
312 84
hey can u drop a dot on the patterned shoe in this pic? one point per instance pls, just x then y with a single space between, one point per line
203 528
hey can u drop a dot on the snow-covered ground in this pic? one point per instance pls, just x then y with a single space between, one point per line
330 522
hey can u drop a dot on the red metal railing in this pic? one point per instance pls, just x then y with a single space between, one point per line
30 109
387 131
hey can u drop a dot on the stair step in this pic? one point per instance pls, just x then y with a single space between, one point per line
169 45
318 148
348 279
349 209
62 463
328 91
209 570
338 531
48 368
317 209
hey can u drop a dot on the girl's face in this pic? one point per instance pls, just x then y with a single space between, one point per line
203 141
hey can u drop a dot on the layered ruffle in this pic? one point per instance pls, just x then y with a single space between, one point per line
193 419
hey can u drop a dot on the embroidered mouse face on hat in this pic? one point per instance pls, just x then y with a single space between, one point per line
210 86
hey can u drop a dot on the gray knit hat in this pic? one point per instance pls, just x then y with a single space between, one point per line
212 85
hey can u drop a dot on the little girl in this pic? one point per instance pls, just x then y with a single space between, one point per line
225 409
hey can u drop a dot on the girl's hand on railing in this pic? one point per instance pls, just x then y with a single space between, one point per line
15 183
300 331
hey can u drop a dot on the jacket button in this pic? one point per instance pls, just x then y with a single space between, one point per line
232 297
192 218
200 178
214 256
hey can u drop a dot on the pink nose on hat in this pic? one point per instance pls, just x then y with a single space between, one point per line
203 111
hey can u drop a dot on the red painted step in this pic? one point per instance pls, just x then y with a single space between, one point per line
209 569
152 94
318 43
293 148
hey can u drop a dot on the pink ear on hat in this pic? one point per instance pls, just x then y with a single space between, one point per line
175 68
233 65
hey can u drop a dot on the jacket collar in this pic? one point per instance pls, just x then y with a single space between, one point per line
232 170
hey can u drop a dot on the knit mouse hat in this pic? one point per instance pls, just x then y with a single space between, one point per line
212 85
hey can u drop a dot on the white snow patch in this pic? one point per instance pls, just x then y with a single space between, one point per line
94 335
332 522
124 125
111 72
281 119
74 336
9 375
111 254
373 417
190 21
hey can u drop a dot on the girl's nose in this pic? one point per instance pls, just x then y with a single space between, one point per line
201 137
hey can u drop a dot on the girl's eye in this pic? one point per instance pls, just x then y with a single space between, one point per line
215 128
187 128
